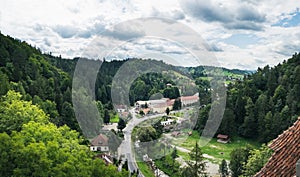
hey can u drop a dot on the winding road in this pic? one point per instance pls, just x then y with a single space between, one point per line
125 148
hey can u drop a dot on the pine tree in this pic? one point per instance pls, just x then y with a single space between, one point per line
174 155
168 111
238 157
223 168
249 126
196 166
121 124
177 104
106 117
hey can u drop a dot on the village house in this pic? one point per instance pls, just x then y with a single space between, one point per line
189 100
100 143
121 108
160 105
167 122
155 106
141 104
223 138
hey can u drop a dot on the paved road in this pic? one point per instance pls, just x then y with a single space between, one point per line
125 148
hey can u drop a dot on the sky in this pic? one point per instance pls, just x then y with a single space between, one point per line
243 34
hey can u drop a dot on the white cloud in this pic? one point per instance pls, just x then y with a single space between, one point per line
68 27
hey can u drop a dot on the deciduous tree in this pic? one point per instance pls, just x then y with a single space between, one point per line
238 157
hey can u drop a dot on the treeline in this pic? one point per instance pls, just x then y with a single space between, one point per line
146 86
47 81
205 71
264 104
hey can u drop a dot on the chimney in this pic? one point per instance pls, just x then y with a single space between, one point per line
298 168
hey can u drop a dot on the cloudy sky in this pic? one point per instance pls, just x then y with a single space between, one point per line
243 34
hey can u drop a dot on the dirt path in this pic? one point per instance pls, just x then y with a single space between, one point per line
211 168
182 149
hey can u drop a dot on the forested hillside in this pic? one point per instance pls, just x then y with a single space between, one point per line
35 112
259 106
264 104
24 69
142 89
47 80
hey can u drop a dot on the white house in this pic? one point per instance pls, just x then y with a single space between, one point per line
167 122
141 104
121 108
100 143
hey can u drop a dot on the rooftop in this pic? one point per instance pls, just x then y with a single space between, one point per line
220 136
286 153
100 140
186 98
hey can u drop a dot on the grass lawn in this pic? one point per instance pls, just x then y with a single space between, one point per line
233 75
114 118
184 155
222 151
149 122
218 150
138 116
145 169
177 114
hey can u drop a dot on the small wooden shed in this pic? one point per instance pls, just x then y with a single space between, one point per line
223 138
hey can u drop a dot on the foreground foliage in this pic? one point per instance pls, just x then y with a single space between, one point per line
257 159
30 145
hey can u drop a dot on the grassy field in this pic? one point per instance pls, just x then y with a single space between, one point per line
233 75
114 118
215 149
145 169
184 155
206 78
228 74
177 114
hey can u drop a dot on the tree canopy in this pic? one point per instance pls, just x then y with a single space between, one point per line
33 146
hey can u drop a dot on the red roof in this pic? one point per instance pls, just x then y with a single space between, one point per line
187 98
100 140
286 154
120 106
220 136
170 102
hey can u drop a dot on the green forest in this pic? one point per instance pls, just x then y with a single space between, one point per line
39 133
264 104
